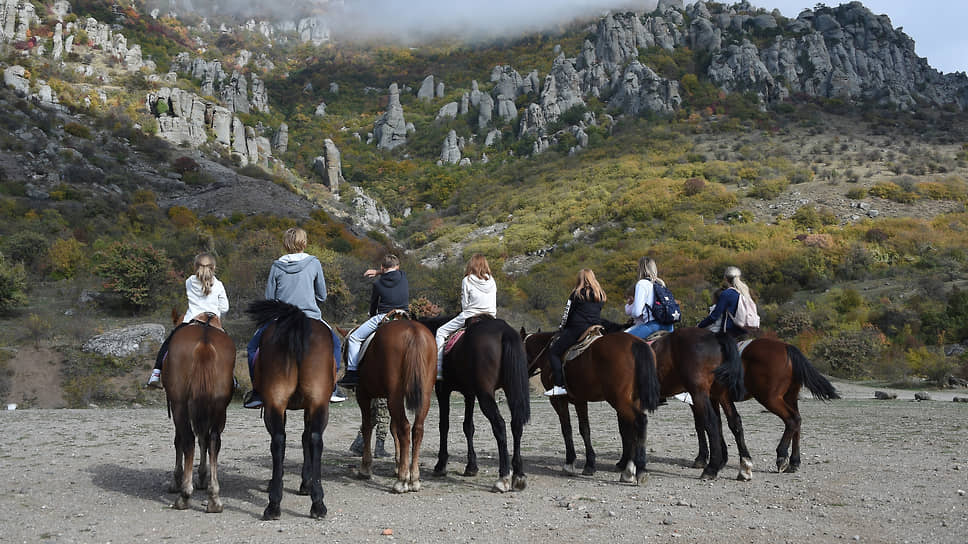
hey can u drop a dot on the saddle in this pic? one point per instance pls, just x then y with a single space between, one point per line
459 333
590 335
208 318
392 315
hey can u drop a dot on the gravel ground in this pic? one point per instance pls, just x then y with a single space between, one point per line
873 471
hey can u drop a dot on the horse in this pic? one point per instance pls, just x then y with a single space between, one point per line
487 357
400 364
617 368
774 374
198 385
294 370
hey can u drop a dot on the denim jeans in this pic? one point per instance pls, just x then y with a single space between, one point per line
643 330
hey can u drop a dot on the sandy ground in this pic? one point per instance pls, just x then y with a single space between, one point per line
873 471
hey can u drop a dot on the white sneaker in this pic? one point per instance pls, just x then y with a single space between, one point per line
155 380
556 391
337 395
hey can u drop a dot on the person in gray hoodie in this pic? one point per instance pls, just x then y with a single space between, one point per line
478 295
390 292
296 278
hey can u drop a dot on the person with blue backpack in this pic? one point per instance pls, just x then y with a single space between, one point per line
652 306
734 311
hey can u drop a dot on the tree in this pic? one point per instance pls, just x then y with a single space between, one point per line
136 272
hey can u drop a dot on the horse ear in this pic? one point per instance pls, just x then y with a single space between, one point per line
524 334
175 316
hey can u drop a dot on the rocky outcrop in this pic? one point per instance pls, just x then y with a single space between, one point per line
234 93
640 89
506 109
367 210
426 90
390 129
280 140
320 110
134 340
15 77
486 111
450 152
329 166
562 89
260 101
314 30
448 111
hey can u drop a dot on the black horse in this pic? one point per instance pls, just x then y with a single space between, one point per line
489 356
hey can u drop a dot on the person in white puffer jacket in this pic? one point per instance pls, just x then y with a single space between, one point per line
478 295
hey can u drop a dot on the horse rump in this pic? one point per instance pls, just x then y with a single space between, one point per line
293 329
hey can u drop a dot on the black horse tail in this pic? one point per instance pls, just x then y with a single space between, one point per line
806 374
646 377
417 346
514 374
729 374
293 329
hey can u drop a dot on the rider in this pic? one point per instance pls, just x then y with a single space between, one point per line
720 318
478 295
390 292
296 278
583 310
639 307
206 294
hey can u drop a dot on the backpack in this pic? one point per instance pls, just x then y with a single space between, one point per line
665 310
746 315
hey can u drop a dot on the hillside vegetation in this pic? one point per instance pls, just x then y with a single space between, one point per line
847 218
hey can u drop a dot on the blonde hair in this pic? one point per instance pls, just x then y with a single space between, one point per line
295 240
205 271
731 275
478 266
389 261
586 280
649 271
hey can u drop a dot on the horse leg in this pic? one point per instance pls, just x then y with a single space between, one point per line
498 427
581 410
185 445
626 432
718 420
793 405
275 421
471 468
560 404
735 423
443 426
315 423
640 428
201 474
400 427
214 446
366 419
713 432
307 466
417 434
519 480
702 458
176 481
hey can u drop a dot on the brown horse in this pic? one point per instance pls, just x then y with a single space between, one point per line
694 360
489 356
294 370
617 368
774 374
400 364
198 383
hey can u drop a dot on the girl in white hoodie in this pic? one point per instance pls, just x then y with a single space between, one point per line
478 295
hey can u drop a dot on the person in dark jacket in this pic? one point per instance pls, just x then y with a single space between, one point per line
390 292
720 318
583 310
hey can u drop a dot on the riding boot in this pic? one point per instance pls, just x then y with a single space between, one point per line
357 447
380 450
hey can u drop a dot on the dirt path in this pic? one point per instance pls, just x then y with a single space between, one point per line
873 471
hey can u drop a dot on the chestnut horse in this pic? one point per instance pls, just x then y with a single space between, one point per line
489 356
695 360
617 368
774 374
198 383
294 370
399 364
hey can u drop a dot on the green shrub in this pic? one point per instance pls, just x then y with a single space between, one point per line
66 257
138 273
13 285
77 129
806 217
850 354
25 247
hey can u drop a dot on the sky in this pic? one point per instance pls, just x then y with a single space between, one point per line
936 26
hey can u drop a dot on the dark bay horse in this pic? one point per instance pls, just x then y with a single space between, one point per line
694 360
294 370
400 364
198 383
617 368
489 356
774 374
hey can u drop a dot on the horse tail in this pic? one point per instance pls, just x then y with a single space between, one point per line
417 346
293 329
730 373
646 377
514 374
806 374
201 380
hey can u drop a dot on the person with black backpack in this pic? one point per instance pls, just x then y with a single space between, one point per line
652 306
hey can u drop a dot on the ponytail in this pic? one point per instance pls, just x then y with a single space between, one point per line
205 271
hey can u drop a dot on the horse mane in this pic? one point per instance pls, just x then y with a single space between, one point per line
293 328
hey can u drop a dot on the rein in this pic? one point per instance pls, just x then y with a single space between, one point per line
532 372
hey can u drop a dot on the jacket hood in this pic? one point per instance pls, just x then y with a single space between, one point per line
294 262
485 286
391 279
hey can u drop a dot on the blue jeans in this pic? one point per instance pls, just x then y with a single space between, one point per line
253 348
643 330
355 340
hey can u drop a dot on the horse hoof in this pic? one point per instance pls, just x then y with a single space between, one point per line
745 470
214 507
503 485
470 471
400 487
317 510
519 483
588 471
414 486
569 469
708 476
642 478
440 473
271 513
782 464
791 469
627 478
699 463
303 489
181 503
360 475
